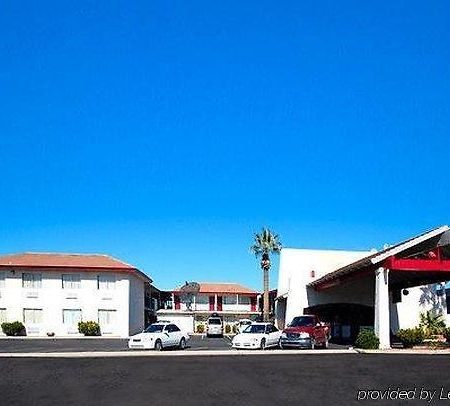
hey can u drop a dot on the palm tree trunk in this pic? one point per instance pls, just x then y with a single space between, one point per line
266 295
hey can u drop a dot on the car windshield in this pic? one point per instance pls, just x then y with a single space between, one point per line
255 329
214 321
154 328
302 321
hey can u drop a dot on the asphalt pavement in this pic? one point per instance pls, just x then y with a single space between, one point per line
222 380
46 345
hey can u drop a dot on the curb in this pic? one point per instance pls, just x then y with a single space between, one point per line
404 351
201 353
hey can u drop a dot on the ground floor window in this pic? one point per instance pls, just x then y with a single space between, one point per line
106 317
3 316
71 317
33 316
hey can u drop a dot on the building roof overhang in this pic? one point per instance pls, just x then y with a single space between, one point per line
425 242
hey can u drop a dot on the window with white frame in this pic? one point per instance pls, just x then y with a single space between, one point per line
202 299
244 300
106 317
229 300
106 282
71 317
71 281
2 279
32 316
3 316
32 280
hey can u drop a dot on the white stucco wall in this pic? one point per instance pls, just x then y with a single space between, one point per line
53 299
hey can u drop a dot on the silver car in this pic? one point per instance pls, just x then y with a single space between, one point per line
214 327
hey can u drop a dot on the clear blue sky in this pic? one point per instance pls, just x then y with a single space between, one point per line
166 133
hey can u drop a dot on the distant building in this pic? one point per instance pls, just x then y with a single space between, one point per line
51 293
230 300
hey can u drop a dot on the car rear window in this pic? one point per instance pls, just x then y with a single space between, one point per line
214 321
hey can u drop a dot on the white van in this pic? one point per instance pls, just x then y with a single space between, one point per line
214 326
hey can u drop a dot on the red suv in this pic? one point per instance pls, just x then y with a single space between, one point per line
305 332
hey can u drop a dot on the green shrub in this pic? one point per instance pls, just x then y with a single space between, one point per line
411 336
16 328
431 323
200 328
367 340
447 334
235 329
227 329
89 328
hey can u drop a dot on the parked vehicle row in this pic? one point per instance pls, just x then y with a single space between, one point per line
303 332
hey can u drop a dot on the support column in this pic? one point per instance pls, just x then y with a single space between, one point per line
382 323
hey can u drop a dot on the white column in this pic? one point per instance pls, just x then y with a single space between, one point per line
382 323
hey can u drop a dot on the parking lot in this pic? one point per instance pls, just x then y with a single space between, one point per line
48 345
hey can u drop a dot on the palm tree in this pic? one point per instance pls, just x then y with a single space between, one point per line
266 243
432 323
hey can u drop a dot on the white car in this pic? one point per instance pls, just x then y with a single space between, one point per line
257 336
158 336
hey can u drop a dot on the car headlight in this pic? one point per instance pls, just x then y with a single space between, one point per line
304 335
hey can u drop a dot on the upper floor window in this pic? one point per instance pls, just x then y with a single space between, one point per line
229 300
106 282
202 299
32 280
71 281
244 300
2 279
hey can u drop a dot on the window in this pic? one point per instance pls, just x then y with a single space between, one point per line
271 329
3 316
71 317
106 282
2 279
244 300
172 328
31 280
32 316
71 281
106 317
229 300
202 299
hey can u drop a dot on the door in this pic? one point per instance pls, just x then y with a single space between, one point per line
274 335
219 303
211 303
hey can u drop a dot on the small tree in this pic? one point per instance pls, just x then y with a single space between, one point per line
431 323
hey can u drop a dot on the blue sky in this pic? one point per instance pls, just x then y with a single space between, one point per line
166 133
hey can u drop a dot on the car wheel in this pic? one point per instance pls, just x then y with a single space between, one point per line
280 345
182 343
263 344
158 345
